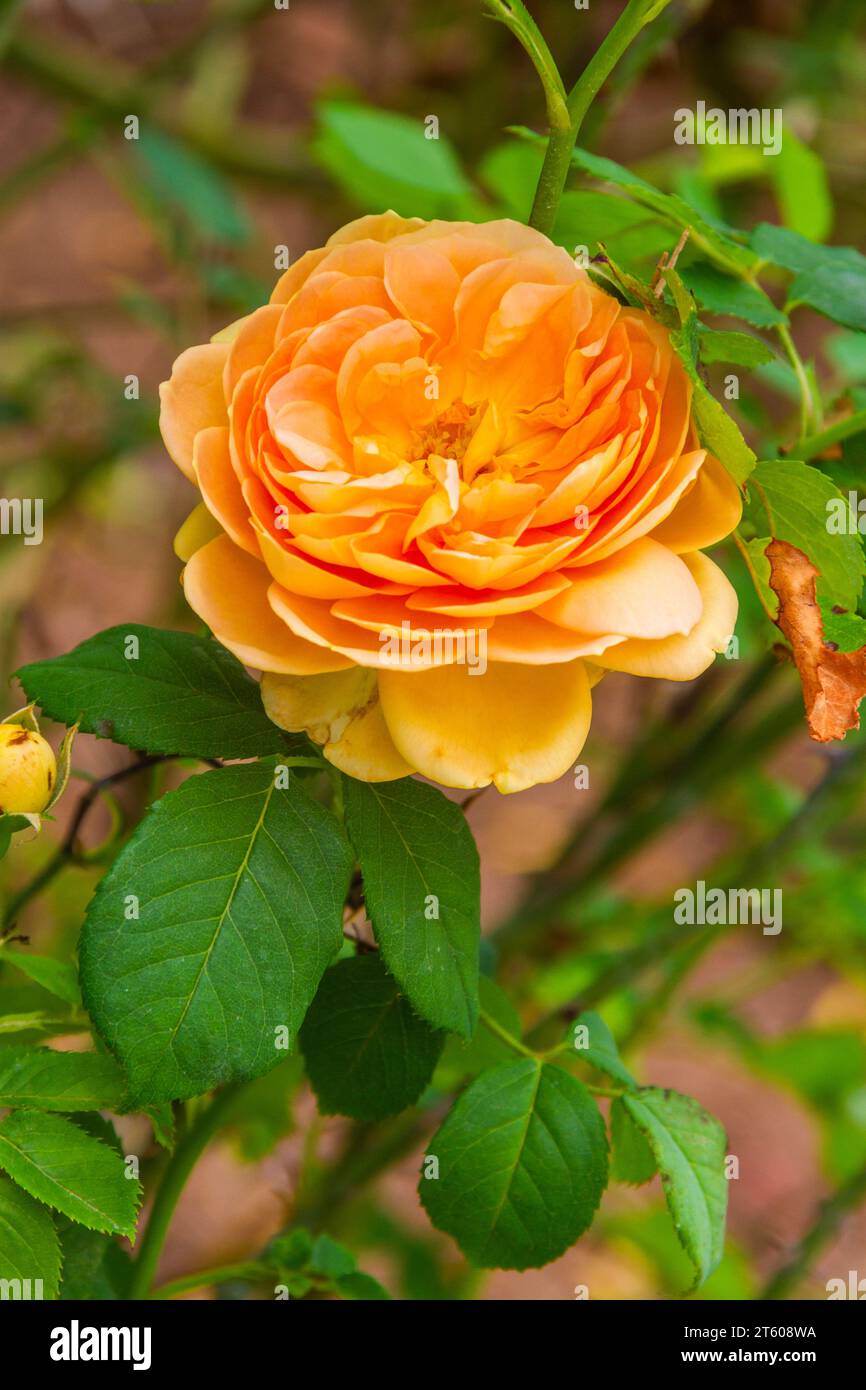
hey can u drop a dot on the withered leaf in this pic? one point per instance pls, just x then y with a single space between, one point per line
833 682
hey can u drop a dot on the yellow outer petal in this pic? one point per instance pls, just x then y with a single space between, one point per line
340 710
228 590
318 705
684 658
513 725
199 528
708 512
366 750
191 400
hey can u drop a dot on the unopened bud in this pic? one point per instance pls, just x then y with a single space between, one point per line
28 771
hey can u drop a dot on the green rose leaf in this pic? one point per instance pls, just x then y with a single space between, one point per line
157 692
385 160
789 249
94 1265
42 1079
422 892
330 1258
593 1043
831 279
722 294
361 1286
522 1164
714 242
29 1248
55 976
837 290
847 631
791 501
688 1145
632 1160
717 430
205 943
741 349
60 1165
368 1054
632 235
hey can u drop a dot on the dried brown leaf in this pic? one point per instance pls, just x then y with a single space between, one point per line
833 682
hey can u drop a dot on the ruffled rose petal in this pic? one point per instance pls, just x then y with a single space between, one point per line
192 399
513 725
302 576
455 602
684 658
251 345
229 591
642 591
340 711
531 641
218 482
320 706
366 750
313 621
706 513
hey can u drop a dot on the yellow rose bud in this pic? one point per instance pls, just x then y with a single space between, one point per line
28 771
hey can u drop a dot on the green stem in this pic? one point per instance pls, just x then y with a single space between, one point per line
516 17
551 180
753 574
249 1272
834 434
503 1034
565 113
564 131
174 1179
808 409
636 15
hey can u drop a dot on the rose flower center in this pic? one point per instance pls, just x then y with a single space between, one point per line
448 436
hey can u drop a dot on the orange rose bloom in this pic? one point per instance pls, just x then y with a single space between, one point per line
447 480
